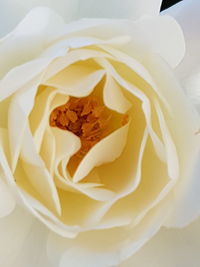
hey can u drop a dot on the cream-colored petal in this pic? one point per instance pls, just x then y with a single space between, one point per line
91 190
113 96
151 34
67 81
65 8
106 247
20 107
155 32
48 150
33 250
19 76
72 57
41 107
187 15
127 180
7 200
68 224
183 125
117 9
80 42
37 174
172 247
150 186
39 119
95 191
67 144
171 153
146 34
29 38
5 158
98 155
146 106
14 231
139 73
48 218
192 89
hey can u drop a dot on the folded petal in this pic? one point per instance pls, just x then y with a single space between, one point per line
185 197
98 155
103 248
7 201
37 174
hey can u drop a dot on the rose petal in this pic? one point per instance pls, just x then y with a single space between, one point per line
108 248
14 230
117 9
48 150
92 190
79 42
98 155
72 57
37 174
143 35
113 96
73 9
29 37
187 15
186 201
192 89
156 32
135 201
172 247
49 219
45 102
146 106
67 81
20 106
32 251
171 152
67 144
7 201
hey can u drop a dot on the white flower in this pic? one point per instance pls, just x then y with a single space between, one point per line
98 140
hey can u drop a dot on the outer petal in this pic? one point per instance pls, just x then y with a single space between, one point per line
33 251
22 241
117 8
172 248
187 14
13 11
29 38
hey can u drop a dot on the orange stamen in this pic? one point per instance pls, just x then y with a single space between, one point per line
87 118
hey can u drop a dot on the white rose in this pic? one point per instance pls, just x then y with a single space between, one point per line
98 140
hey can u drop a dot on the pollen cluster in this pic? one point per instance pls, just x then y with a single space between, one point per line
85 117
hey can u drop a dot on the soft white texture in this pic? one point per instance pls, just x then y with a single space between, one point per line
187 14
12 11
103 259
172 247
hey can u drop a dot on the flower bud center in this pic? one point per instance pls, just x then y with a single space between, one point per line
87 118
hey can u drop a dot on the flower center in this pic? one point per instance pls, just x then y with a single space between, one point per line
87 118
